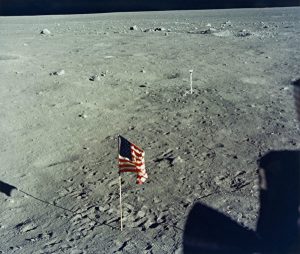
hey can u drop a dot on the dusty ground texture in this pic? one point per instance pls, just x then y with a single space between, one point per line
59 128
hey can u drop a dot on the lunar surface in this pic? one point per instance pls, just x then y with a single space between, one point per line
69 85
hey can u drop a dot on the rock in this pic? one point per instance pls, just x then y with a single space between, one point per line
208 24
219 145
285 88
95 78
133 28
244 33
160 29
148 30
45 32
82 115
219 179
103 74
227 23
209 31
58 73
177 160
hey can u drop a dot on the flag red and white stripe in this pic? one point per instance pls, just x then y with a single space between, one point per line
132 159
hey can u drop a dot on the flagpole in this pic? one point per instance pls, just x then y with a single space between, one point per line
120 194
120 189
191 80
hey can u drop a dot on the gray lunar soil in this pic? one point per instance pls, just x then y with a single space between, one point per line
69 85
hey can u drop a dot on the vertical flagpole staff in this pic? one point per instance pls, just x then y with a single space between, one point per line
120 193
120 189
191 80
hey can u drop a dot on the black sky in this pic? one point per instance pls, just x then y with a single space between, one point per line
44 7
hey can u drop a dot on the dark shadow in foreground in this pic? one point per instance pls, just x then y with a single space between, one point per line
208 231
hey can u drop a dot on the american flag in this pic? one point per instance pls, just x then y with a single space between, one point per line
132 159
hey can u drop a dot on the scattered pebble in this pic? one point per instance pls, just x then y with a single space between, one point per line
227 23
45 32
160 29
244 33
148 30
265 26
285 88
95 78
134 28
219 179
209 31
58 73
82 115
103 74
177 160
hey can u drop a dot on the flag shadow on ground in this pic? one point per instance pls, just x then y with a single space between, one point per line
209 231
6 188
